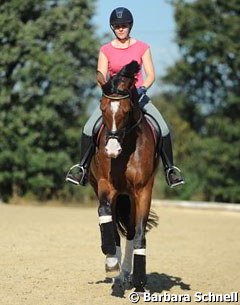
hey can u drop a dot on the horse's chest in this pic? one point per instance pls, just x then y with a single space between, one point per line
128 173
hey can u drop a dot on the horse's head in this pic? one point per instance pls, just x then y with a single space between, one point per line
118 97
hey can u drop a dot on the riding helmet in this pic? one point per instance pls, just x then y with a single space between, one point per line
121 15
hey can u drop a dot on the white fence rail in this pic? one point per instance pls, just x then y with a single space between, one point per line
197 205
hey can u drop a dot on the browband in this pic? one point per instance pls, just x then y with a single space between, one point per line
116 97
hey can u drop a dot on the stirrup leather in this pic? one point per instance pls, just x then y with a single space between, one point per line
180 180
70 177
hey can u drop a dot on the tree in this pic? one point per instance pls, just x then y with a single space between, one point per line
207 77
187 147
47 76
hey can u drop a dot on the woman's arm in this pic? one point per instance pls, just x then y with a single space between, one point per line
148 69
102 65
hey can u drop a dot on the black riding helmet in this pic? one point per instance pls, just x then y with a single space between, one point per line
121 15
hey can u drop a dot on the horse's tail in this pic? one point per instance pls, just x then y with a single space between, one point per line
153 220
123 215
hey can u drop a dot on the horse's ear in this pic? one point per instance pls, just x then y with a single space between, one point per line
100 78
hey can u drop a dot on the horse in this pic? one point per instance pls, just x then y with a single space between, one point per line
122 173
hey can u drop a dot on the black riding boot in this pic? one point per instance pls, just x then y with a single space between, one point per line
78 173
173 174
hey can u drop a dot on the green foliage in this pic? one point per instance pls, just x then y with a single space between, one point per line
187 147
222 152
47 75
206 77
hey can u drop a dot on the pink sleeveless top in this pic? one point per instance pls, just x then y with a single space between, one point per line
117 58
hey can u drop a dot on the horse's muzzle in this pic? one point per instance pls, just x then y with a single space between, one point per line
113 148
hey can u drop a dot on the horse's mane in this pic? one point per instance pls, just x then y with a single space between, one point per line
128 71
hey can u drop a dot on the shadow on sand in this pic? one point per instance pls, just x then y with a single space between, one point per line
159 282
156 283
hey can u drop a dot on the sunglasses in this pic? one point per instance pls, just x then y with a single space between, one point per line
121 26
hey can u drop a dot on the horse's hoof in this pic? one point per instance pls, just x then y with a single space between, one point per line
118 288
140 290
112 271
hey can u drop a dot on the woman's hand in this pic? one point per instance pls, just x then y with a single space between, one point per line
141 91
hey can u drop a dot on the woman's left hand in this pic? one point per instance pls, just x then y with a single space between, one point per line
141 90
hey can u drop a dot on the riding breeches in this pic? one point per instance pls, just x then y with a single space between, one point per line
148 108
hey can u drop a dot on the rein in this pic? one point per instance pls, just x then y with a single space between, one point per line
136 124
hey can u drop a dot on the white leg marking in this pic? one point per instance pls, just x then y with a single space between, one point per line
105 219
140 251
111 261
119 254
128 257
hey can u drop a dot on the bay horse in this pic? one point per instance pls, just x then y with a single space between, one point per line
122 174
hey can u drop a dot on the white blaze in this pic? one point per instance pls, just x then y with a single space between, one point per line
113 148
114 108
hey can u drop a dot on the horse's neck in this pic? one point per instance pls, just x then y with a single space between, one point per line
136 113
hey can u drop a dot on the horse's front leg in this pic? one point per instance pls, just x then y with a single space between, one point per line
142 206
109 244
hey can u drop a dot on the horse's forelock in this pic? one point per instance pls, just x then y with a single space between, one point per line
111 86
130 70
108 88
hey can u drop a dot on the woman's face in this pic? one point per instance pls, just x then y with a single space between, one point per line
122 30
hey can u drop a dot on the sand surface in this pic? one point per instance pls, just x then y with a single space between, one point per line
52 256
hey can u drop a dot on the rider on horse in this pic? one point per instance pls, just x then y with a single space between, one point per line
112 57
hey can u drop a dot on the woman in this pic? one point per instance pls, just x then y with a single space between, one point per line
112 57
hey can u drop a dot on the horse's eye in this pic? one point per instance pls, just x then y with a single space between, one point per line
103 106
125 107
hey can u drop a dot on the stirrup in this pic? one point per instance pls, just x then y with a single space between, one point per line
79 177
180 179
